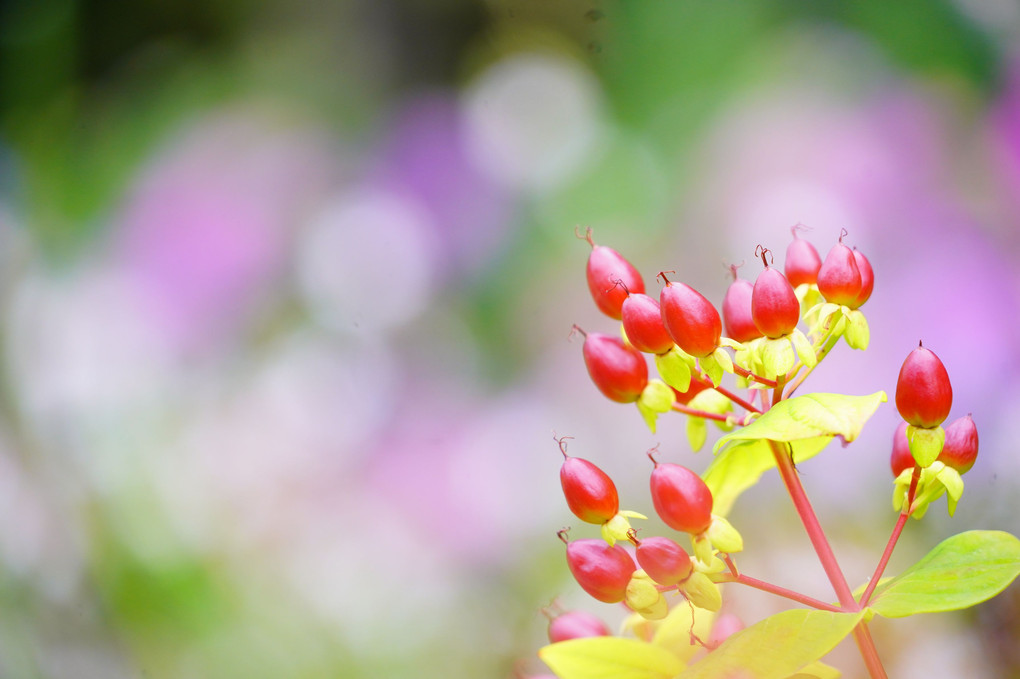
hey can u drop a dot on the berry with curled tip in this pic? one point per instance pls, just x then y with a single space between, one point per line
642 323
774 305
590 493
867 279
736 310
961 447
924 394
690 319
802 261
617 369
681 498
839 279
602 571
610 277
901 458
666 562
576 625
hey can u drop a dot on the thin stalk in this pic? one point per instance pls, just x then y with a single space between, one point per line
680 408
747 374
862 636
894 538
739 401
814 529
778 591
829 344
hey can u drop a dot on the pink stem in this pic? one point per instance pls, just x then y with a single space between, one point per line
894 538
779 591
736 399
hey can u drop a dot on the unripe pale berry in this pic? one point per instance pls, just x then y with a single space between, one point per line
802 261
576 625
901 457
617 369
961 447
924 394
665 561
690 319
839 279
642 322
736 311
601 570
610 278
590 493
681 498
775 309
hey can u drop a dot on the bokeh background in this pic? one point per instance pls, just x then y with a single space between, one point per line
286 288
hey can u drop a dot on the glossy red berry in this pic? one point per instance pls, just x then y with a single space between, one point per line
839 279
802 261
610 278
736 310
924 394
617 369
775 309
601 570
666 562
590 493
961 447
576 625
681 498
901 458
690 319
642 322
867 279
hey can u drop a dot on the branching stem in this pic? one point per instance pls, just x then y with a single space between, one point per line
894 538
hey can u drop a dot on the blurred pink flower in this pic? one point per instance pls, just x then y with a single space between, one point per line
206 229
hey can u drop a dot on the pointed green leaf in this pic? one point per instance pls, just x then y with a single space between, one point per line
610 658
805 350
712 368
809 416
741 465
960 572
857 333
777 647
697 432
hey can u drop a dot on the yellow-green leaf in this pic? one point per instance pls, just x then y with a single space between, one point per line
960 572
777 647
809 416
817 670
740 466
610 658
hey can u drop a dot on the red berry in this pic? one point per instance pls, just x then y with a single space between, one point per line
924 394
666 562
839 279
576 625
901 458
802 261
617 369
681 498
610 278
867 279
774 305
601 570
642 322
591 494
961 446
690 319
736 311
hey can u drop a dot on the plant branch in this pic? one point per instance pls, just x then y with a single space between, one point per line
894 538
747 374
778 591
750 407
681 408
862 636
